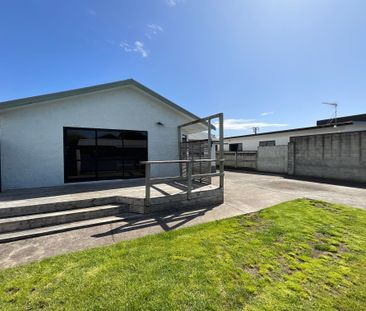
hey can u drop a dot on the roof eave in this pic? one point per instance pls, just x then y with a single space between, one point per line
12 104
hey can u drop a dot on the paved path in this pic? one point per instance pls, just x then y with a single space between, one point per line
244 193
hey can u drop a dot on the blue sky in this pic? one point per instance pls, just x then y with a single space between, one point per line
263 63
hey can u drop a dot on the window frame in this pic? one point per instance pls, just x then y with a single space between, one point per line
95 159
267 143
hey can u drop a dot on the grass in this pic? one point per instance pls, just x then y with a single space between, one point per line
299 255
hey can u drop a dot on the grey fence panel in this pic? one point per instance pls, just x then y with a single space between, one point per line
272 159
241 159
335 156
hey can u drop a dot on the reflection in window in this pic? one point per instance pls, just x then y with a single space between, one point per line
93 154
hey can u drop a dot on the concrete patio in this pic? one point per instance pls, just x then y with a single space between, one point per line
244 193
43 211
89 192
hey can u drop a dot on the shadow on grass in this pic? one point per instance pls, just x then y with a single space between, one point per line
166 220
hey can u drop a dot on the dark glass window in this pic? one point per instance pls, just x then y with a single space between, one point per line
236 147
95 154
80 144
110 168
110 144
265 143
134 151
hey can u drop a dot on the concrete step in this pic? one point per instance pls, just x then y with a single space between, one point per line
25 209
55 218
31 233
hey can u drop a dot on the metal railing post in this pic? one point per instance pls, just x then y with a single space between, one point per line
209 151
189 179
222 173
221 131
147 183
180 149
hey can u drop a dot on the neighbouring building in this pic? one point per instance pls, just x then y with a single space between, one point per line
253 141
332 149
88 134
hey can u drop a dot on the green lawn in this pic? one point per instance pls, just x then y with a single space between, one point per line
299 255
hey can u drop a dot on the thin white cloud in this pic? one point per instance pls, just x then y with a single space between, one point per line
242 124
153 30
263 114
172 3
92 12
125 46
137 47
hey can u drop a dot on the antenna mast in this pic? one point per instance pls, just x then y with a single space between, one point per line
255 130
335 106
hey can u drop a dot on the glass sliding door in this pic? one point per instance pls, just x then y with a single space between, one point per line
109 154
97 154
134 151
79 158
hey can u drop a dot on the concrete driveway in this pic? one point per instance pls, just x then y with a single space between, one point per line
244 193
254 191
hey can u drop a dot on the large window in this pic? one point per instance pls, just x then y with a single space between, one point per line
96 154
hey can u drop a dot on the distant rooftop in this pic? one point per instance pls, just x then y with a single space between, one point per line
356 117
342 121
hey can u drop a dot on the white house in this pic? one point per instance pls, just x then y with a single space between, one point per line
253 141
87 134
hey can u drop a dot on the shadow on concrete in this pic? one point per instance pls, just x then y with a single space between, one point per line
182 186
32 193
166 220
336 182
160 190
84 188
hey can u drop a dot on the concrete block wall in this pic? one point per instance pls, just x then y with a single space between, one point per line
291 158
273 159
336 156
206 198
240 159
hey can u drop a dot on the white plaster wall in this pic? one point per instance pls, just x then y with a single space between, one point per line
32 137
252 142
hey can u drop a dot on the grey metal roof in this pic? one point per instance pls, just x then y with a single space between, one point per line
100 87
292 130
355 117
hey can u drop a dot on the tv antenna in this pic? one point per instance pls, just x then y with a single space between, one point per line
255 130
335 106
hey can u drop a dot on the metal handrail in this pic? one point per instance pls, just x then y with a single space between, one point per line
177 161
150 181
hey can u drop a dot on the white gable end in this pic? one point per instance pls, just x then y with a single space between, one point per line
32 136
